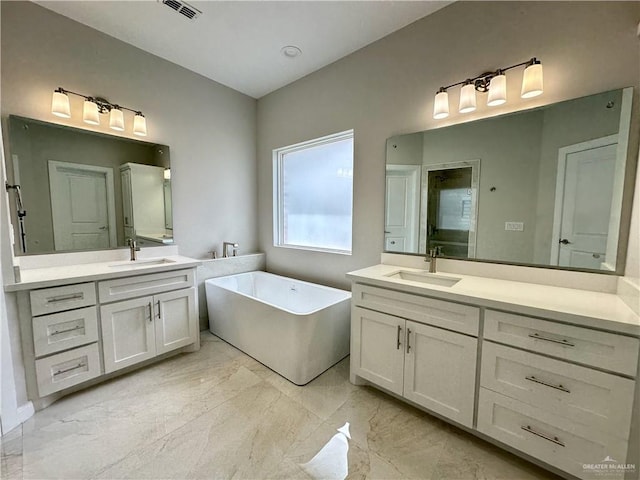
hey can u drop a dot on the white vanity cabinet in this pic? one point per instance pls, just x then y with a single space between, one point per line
64 328
145 326
561 393
412 355
74 333
557 391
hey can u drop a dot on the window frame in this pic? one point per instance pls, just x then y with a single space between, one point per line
278 190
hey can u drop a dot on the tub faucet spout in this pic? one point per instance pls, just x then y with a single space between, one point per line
431 258
225 249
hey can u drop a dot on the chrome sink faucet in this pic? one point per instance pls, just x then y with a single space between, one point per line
133 248
431 258
225 249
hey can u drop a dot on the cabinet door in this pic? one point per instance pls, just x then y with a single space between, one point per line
175 322
127 333
440 371
127 205
377 350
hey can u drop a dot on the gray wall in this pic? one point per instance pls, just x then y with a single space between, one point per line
405 149
387 89
210 128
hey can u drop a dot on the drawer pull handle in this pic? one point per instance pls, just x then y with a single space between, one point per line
531 378
60 332
60 372
64 298
408 339
159 311
564 342
150 312
398 337
551 439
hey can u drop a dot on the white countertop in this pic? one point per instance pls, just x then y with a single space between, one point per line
605 311
87 272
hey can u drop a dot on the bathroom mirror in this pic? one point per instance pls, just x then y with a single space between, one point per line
541 187
83 190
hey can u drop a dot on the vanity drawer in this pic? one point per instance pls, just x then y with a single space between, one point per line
591 347
67 369
62 331
58 299
548 437
142 285
440 313
602 401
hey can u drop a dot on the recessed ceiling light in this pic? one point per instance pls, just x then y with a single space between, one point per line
290 51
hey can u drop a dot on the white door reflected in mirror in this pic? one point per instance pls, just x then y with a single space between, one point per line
82 206
584 193
402 207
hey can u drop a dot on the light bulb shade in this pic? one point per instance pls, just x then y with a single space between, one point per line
467 98
441 105
60 105
497 91
532 81
139 125
90 113
116 119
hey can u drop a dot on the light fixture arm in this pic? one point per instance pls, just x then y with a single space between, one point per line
531 87
104 106
93 107
489 75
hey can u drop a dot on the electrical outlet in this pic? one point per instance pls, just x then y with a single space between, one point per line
514 226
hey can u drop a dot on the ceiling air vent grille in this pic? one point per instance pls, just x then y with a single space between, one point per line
183 8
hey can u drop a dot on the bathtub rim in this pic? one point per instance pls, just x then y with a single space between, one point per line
347 294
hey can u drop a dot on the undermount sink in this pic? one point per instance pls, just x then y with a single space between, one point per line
142 263
424 277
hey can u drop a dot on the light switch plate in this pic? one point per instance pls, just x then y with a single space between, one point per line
514 226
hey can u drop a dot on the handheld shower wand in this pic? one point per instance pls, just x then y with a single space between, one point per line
21 212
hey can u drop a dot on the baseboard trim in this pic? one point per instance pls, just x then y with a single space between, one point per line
25 412
17 418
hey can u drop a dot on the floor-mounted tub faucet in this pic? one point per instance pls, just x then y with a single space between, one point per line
431 258
225 249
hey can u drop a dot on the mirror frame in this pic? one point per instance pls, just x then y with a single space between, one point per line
10 177
632 139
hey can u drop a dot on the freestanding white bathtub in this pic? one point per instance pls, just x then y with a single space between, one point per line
297 329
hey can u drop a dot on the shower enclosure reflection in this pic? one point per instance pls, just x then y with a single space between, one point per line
539 187
83 190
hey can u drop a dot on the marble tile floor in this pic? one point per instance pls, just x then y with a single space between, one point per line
218 413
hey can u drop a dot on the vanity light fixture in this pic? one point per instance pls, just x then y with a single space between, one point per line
93 107
493 83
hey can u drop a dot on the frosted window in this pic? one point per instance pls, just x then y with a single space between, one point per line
314 199
454 212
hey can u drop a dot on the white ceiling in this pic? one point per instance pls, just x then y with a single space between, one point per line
238 43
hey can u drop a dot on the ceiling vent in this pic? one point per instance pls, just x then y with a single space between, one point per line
183 8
